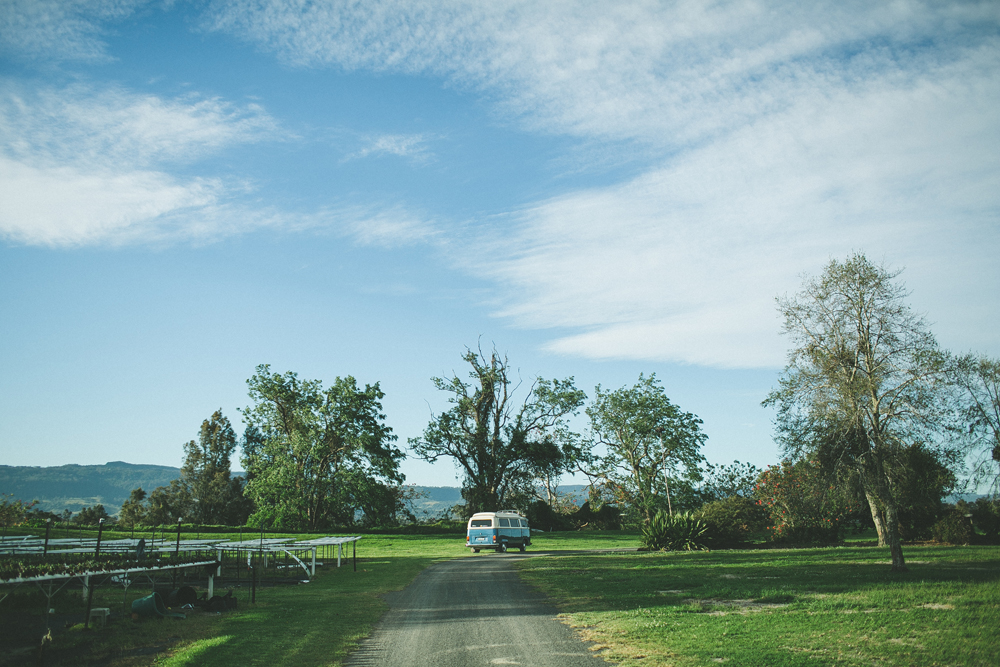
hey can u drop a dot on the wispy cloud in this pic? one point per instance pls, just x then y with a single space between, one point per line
777 135
668 73
47 30
385 227
683 262
410 146
774 136
83 166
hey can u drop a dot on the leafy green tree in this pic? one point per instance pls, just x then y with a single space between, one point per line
217 498
804 501
726 481
91 516
920 482
13 512
133 511
653 447
166 504
978 379
502 447
864 379
314 446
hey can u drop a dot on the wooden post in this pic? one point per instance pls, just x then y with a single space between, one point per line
355 544
100 530
253 581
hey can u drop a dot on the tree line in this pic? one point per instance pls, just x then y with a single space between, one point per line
875 421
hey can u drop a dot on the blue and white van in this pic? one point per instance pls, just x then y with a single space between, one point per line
502 530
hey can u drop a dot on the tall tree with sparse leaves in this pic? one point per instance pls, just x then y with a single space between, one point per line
217 496
978 379
652 446
864 381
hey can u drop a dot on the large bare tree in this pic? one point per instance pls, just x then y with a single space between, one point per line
863 380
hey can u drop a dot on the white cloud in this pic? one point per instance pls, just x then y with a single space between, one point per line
412 146
389 227
775 135
82 166
667 73
683 262
43 30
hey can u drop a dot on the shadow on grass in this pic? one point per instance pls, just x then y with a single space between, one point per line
592 582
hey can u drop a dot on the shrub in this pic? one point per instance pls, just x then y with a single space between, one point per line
732 521
606 517
805 503
541 516
680 532
954 528
986 516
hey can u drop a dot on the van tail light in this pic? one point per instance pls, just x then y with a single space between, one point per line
494 538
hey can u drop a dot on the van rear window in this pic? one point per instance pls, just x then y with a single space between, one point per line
482 523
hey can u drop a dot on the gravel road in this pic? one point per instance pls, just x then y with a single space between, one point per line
471 611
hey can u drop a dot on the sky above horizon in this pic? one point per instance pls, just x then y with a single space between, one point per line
190 189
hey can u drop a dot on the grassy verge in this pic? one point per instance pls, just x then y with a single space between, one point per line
832 606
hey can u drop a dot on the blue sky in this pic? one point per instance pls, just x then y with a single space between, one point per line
190 189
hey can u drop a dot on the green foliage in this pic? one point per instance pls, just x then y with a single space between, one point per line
653 446
166 504
216 497
133 511
91 516
804 503
679 532
605 517
316 451
726 481
13 512
502 448
864 379
36 565
985 516
977 378
541 516
953 528
919 483
733 521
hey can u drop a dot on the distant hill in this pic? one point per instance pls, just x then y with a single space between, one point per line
73 486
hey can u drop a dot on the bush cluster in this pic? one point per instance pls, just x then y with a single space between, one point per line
733 521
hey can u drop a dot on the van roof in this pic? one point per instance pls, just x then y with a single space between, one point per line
498 513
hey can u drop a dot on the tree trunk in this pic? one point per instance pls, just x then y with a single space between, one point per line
878 518
894 538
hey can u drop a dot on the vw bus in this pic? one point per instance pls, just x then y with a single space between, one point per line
502 530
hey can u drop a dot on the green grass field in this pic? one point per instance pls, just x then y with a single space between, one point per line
836 606
830 606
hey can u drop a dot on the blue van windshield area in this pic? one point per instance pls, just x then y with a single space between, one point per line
482 523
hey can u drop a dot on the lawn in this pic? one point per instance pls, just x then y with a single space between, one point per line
829 606
837 606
